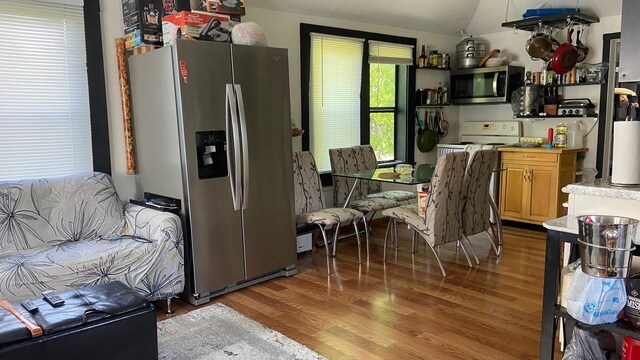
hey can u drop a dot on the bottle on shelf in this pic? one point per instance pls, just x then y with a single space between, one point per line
445 95
560 139
422 60
433 59
439 97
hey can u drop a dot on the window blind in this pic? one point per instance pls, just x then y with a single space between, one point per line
334 95
389 53
45 126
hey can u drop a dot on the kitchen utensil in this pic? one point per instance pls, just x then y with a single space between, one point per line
583 50
564 57
486 57
469 52
426 139
541 45
576 107
531 100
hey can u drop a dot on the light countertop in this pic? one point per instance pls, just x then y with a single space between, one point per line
601 187
540 149
564 224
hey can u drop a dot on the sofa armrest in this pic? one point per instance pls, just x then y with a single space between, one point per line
156 226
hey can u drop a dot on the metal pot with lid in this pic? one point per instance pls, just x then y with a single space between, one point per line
469 52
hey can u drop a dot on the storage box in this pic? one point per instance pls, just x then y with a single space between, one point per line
196 25
226 7
142 19
304 243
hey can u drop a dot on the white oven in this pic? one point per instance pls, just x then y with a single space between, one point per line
488 135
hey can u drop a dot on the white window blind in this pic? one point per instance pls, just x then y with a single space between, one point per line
389 53
45 127
334 95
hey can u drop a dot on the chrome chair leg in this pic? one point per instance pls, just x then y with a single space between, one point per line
366 234
444 273
168 311
355 227
473 251
335 239
492 241
395 234
464 250
414 242
386 237
326 247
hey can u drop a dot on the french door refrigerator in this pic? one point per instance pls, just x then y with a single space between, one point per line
212 129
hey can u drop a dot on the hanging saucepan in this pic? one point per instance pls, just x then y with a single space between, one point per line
541 46
583 50
565 57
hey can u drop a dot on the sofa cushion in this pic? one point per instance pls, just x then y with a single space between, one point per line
137 262
39 212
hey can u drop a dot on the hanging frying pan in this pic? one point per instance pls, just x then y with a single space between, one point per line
426 139
565 57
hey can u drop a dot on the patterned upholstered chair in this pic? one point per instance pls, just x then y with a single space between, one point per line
309 204
353 159
441 223
475 195
365 156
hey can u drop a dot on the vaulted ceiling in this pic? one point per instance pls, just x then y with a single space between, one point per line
436 16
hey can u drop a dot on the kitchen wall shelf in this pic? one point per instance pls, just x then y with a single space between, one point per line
431 68
557 21
556 117
566 85
432 106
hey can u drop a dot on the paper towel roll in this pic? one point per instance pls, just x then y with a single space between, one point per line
626 152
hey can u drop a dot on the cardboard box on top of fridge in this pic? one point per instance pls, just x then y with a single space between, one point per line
225 7
142 19
197 25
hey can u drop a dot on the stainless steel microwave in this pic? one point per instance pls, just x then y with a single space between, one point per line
485 85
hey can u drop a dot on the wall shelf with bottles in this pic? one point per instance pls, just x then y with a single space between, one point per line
567 85
538 118
558 21
431 68
431 106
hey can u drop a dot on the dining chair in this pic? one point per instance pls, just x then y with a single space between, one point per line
344 160
441 223
476 198
309 205
367 160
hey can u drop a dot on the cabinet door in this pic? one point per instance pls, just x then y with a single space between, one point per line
512 190
543 184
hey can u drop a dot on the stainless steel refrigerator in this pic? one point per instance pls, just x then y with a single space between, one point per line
212 129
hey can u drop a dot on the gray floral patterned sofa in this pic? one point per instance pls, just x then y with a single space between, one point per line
72 232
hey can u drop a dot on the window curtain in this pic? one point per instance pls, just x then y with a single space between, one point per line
44 107
334 95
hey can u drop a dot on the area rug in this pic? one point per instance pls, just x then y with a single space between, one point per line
219 332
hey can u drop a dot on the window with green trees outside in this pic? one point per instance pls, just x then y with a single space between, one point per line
382 110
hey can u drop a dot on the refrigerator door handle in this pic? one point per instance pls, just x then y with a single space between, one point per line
245 149
232 118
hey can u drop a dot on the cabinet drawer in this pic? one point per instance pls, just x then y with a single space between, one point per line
522 156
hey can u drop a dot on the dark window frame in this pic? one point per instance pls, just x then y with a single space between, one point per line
393 110
97 93
404 130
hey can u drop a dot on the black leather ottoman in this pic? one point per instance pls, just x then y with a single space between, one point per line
103 322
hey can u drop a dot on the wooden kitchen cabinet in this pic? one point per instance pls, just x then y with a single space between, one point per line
531 182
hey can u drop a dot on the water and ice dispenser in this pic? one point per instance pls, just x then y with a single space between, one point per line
212 154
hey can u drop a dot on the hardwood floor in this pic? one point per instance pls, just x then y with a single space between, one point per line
404 308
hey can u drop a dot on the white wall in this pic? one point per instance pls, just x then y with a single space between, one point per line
514 44
283 30
112 28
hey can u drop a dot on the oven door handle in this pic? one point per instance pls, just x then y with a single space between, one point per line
495 84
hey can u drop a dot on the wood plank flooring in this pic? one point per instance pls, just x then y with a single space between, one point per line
404 308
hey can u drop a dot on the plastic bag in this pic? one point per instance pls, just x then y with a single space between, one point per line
593 300
585 345
566 277
248 33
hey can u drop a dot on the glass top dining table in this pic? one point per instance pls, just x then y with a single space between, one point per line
422 174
